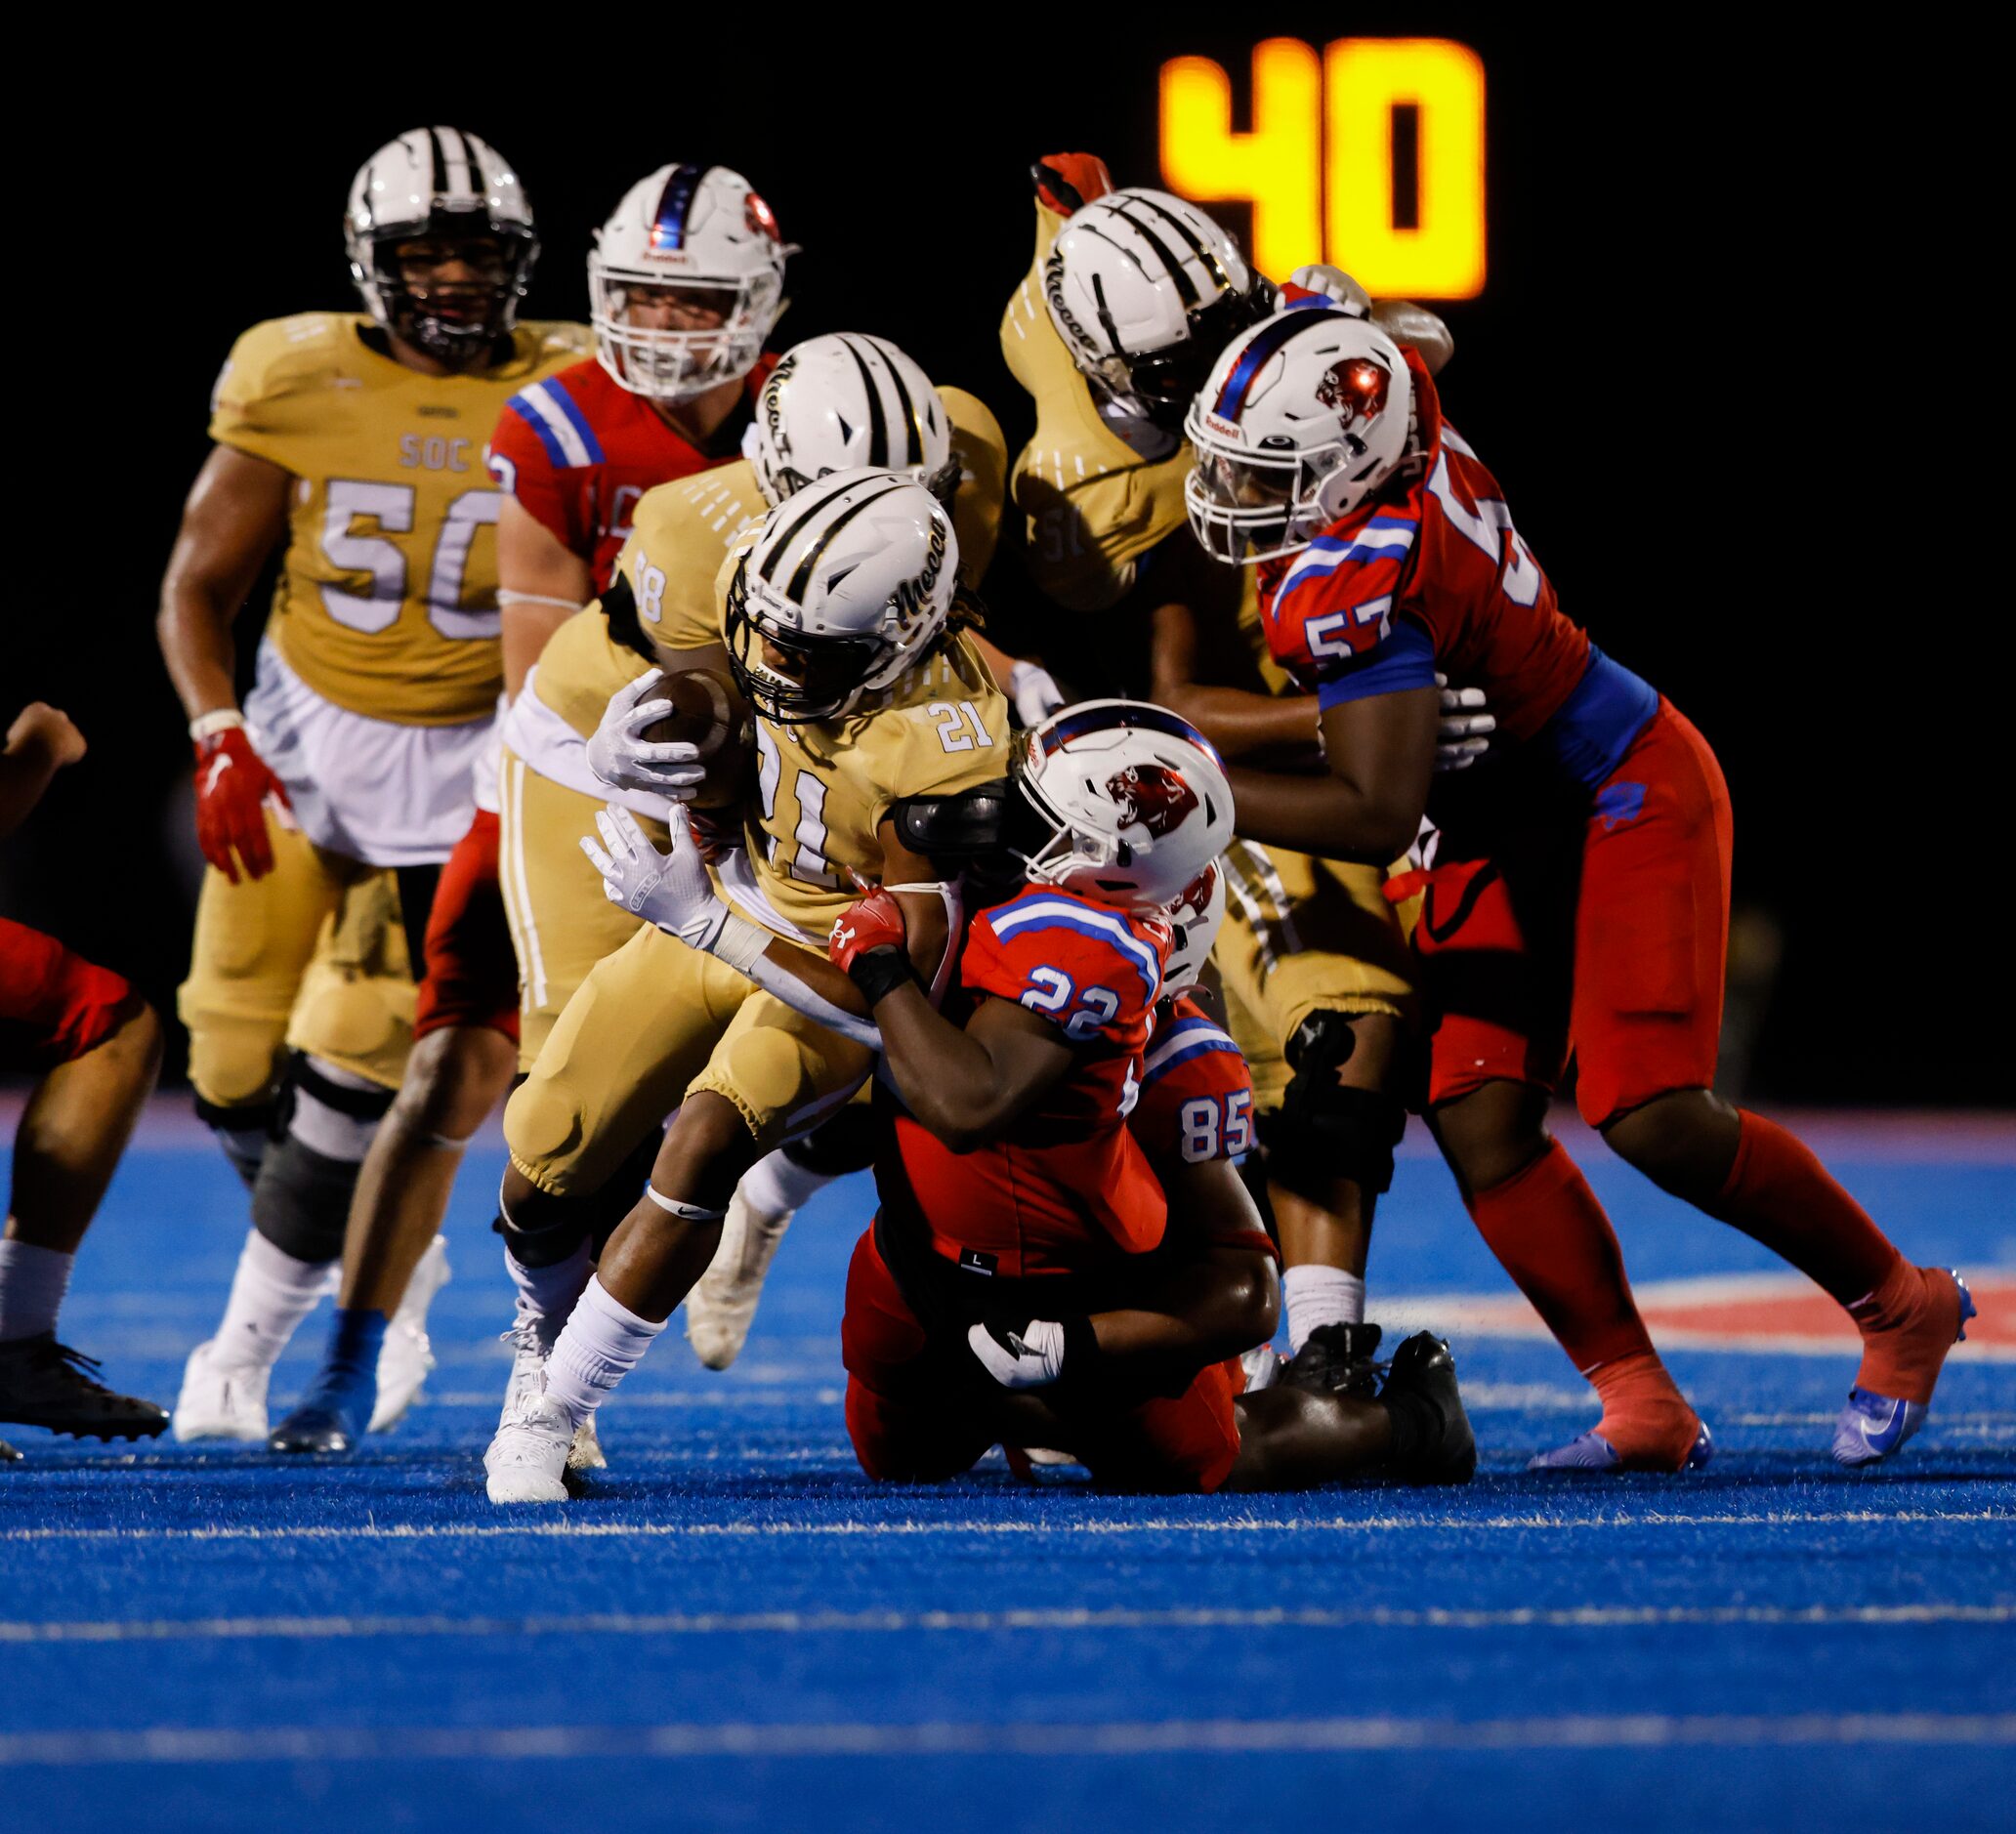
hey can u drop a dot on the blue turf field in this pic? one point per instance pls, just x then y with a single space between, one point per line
735 1631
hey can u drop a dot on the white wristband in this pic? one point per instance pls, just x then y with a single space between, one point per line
220 720
740 943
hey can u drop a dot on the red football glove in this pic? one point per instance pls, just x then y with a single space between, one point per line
876 922
715 831
232 785
1066 181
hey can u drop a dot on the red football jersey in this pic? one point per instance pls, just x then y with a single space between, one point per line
1434 578
1196 1093
1069 1181
579 450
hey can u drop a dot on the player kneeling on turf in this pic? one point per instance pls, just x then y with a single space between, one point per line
1040 1272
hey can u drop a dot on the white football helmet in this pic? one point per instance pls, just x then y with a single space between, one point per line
1145 290
846 400
439 183
692 235
851 580
1134 799
1302 420
1197 913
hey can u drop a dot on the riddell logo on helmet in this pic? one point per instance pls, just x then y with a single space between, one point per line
1355 388
1150 796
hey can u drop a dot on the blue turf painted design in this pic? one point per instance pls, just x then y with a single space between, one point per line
733 1627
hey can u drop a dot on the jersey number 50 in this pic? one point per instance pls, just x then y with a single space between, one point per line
391 507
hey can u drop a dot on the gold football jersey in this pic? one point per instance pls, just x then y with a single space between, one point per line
386 602
1090 505
824 789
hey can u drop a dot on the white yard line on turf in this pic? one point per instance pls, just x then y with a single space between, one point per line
561 1527
828 1623
1098 1738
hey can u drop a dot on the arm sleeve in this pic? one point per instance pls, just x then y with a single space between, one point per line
1405 659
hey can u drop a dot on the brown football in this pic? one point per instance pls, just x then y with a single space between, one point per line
708 712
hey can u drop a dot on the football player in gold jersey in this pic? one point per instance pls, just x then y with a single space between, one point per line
836 622
356 442
1131 295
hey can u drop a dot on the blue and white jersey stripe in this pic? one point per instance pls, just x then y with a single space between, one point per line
1190 1037
562 429
1384 537
1038 910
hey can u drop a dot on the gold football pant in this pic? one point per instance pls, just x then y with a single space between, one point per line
562 924
1302 935
312 957
655 1023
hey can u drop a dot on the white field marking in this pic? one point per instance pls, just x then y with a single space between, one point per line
561 1527
1098 1738
826 1623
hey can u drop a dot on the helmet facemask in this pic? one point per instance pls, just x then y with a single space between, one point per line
821 677
1249 506
672 363
459 323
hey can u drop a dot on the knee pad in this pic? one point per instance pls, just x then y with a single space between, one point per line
235 1064
244 1132
300 1201
1325 1130
331 1109
766 1076
848 1142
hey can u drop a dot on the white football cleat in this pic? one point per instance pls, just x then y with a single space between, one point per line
406 1357
220 1401
528 1378
527 1458
722 1306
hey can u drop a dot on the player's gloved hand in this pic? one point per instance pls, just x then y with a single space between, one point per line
233 788
670 890
871 943
1034 1352
1467 723
621 756
1066 181
1034 693
1320 285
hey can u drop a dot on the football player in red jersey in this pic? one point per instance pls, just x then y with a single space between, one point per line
685 281
1040 1272
94 1046
1590 909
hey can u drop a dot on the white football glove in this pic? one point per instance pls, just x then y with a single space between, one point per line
1031 1358
1467 724
1036 697
1335 285
622 758
670 890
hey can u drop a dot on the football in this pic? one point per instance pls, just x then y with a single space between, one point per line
708 712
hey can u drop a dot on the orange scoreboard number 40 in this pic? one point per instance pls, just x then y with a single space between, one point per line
1369 153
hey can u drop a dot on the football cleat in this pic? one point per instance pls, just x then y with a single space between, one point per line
528 1378
1873 1427
334 1413
220 1401
47 1383
1337 1359
1591 1451
722 1306
1421 1389
528 1457
406 1357
8 1455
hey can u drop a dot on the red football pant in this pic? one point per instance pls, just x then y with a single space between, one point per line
917 1409
471 973
53 1005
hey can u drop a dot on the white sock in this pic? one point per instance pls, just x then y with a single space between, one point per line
603 1342
271 1294
32 1284
1316 1296
546 1295
778 1182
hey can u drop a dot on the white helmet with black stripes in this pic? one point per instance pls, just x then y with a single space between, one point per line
1134 799
1145 290
847 584
845 401
684 281
440 243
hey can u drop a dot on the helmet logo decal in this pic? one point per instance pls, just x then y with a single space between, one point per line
757 215
1150 796
1354 388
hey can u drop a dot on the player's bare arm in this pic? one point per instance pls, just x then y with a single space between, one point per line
235 516
1381 755
41 741
966 1086
1239 722
540 584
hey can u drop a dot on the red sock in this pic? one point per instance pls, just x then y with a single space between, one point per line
1780 1195
1907 1325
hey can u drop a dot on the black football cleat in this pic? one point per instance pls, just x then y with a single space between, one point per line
47 1383
315 1429
1432 1440
8 1455
1337 1359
